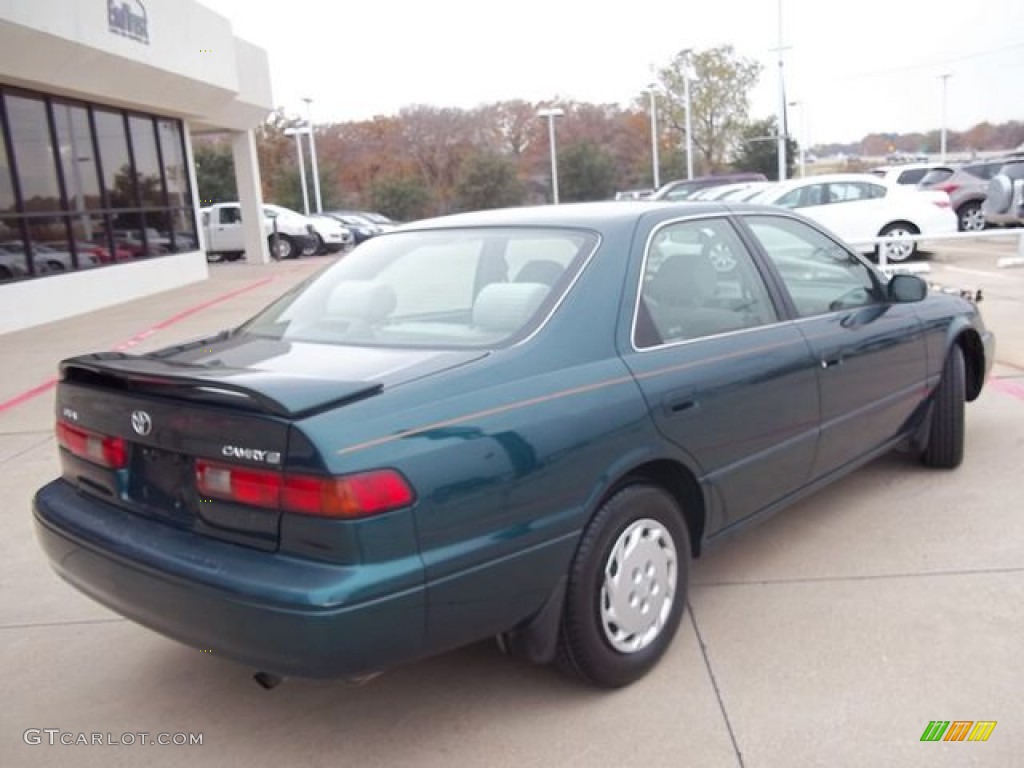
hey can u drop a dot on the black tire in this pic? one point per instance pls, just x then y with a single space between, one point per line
897 253
321 246
285 248
55 266
6 273
214 258
970 218
945 448
585 647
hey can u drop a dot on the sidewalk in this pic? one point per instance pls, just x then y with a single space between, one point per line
233 293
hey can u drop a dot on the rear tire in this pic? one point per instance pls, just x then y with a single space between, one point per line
897 251
945 449
285 248
627 588
970 217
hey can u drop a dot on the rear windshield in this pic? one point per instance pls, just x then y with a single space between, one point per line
936 176
442 288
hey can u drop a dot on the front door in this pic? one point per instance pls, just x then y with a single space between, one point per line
871 355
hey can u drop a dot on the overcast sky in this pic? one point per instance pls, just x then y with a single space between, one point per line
856 67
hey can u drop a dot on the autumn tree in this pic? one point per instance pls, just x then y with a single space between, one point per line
586 171
720 99
215 172
401 198
758 149
488 180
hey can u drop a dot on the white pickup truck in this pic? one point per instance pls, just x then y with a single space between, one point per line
222 225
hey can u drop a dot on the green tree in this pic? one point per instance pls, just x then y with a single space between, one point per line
215 173
720 85
586 172
487 180
401 198
759 149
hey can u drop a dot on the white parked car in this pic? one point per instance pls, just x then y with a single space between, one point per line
862 207
332 236
222 224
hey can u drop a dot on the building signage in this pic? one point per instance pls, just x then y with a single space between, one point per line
128 18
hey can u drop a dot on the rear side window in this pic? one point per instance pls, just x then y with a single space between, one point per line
936 176
699 280
913 176
983 170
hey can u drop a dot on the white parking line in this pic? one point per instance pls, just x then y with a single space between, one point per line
982 272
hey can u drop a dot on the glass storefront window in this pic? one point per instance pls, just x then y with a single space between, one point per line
147 162
86 186
118 179
74 147
7 201
174 163
30 137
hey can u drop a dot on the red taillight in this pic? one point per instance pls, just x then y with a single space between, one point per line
106 451
941 203
949 188
348 496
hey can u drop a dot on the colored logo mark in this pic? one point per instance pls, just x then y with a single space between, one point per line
958 730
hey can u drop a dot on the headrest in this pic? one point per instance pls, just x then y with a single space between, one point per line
540 271
684 279
506 307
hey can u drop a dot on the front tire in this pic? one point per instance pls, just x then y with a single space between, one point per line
945 448
627 588
283 249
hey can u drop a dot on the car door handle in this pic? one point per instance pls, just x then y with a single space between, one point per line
679 404
831 362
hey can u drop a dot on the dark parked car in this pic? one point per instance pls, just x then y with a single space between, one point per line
519 423
362 229
682 189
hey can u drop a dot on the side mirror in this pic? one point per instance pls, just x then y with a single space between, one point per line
904 289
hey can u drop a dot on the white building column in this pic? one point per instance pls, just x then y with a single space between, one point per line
250 195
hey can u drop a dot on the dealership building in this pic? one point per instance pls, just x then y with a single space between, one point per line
99 100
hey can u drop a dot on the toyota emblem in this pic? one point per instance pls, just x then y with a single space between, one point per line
142 423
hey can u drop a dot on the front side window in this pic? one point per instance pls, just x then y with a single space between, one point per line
801 197
445 288
699 280
820 275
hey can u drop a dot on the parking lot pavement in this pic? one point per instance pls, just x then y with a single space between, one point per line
832 634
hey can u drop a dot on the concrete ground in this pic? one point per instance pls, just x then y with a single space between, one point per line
828 636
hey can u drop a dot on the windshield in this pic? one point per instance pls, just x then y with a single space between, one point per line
441 288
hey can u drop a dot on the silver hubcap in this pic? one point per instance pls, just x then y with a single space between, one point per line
639 586
973 220
897 250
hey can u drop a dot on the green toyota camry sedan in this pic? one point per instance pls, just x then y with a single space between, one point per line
519 424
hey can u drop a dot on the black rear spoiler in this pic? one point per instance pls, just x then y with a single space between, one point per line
276 394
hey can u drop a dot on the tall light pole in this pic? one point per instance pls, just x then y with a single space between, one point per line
312 154
942 139
689 121
651 90
803 135
297 133
551 114
782 106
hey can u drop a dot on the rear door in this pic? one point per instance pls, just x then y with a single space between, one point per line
725 377
870 354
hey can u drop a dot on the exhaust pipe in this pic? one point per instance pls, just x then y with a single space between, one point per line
267 680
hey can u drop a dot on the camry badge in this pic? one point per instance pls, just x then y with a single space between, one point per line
142 423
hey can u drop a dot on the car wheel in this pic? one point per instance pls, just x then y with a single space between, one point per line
970 217
900 249
55 266
320 247
627 588
5 273
945 448
284 248
999 195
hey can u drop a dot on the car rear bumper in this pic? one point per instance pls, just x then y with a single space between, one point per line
274 612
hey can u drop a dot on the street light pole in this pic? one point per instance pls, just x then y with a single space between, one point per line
942 139
654 136
551 114
782 107
297 133
689 120
803 135
312 154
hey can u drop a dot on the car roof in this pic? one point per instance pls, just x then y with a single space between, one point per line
596 215
826 178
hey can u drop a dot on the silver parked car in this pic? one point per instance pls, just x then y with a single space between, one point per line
967 186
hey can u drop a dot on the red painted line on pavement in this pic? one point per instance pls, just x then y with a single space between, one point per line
138 338
1011 388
